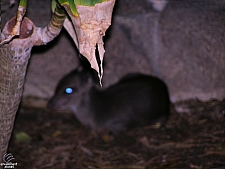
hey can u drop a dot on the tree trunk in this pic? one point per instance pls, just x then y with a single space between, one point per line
13 59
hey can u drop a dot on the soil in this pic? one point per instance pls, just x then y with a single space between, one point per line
192 138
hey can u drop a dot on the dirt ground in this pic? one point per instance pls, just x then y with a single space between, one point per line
192 138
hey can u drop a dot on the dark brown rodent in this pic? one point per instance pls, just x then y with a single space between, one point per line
136 100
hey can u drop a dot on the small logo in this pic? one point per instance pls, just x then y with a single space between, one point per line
7 161
8 157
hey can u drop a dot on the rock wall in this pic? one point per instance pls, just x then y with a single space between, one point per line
183 43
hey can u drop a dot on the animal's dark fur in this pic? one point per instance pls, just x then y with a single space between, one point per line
136 100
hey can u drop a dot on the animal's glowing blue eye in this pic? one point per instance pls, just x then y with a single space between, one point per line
69 90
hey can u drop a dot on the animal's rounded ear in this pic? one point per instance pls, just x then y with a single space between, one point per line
91 81
84 62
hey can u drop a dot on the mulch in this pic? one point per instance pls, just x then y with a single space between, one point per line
192 138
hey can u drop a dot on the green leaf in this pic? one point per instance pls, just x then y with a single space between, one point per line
23 137
23 3
53 5
72 4
62 1
73 7
88 2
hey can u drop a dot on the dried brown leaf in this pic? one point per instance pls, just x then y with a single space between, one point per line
90 26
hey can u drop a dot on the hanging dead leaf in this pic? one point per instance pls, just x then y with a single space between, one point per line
90 26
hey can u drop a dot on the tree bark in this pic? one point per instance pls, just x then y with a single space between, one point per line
14 58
